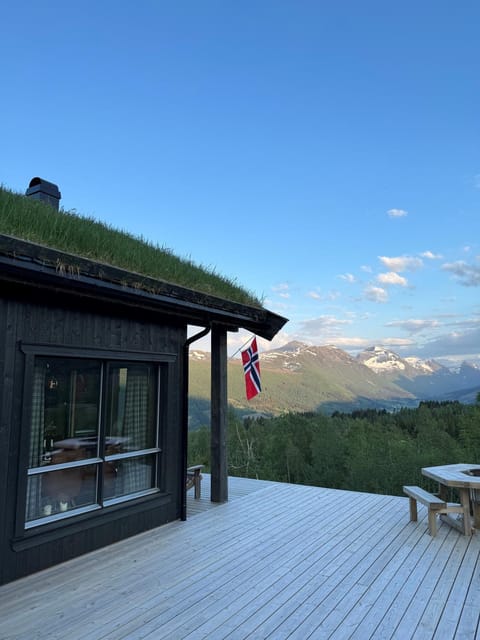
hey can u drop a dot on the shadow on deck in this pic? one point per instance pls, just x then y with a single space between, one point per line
237 488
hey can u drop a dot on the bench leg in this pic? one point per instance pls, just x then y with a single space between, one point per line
432 523
413 510
198 487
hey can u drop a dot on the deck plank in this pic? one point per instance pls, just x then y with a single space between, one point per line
322 613
276 561
241 569
428 623
322 571
448 622
470 616
403 613
304 557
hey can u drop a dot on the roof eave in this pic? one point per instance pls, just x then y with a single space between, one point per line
27 263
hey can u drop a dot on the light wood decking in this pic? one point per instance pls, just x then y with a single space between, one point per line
277 561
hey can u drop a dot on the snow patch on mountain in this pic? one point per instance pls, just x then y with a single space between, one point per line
379 360
421 365
199 355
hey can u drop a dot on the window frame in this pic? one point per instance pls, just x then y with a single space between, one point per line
162 362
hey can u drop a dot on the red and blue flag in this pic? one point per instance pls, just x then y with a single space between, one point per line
251 369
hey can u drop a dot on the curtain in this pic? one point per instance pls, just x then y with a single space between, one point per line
136 471
37 435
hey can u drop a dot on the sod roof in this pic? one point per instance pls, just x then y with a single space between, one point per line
53 245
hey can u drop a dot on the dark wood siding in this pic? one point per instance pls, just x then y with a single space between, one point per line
67 323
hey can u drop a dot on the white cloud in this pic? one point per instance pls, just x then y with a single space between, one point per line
333 294
376 294
397 213
323 324
431 256
467 275
414 325
366 268
280 340
283 291
401 263
321 330
348 277
280 307
281 288
397 342
392 278
460 344
351 344
330 295
237 341
357 343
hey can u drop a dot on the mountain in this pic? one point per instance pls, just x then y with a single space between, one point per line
426 380
469 374
298 377
382 360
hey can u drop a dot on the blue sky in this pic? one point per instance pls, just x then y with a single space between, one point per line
324 154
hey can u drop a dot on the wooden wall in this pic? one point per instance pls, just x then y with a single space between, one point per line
26 317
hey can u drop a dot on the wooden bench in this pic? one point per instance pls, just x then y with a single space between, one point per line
435 506
194 479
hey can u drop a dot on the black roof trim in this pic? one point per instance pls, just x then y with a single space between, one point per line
28 263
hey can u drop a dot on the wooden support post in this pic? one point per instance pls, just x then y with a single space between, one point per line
219 473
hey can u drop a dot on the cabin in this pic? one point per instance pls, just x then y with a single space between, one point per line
94 398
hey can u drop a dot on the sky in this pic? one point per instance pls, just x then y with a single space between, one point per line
324 155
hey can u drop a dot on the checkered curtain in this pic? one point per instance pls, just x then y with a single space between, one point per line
37 434
135 427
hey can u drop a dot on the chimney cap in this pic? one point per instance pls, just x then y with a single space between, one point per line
41 189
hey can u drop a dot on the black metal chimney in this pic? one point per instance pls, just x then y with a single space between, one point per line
40 189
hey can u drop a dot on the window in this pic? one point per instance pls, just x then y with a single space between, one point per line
94 436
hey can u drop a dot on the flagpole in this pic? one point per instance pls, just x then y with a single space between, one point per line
240 348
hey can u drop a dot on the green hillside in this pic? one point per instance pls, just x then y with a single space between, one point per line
321 379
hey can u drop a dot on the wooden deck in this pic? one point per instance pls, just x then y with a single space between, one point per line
277 561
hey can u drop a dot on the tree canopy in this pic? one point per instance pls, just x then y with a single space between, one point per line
369 451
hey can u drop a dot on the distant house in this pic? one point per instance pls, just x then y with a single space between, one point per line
93 424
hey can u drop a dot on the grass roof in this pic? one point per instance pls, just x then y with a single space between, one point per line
67 231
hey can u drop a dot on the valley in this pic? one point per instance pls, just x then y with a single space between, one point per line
301 378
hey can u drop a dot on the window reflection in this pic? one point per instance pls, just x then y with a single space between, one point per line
128 476
67 393
67 431
61 491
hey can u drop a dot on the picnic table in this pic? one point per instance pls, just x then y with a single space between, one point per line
464 478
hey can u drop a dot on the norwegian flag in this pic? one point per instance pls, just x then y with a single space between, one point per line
251 369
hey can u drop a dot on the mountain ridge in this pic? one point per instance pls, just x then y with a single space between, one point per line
298 377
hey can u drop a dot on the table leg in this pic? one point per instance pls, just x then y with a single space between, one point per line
475 502
465 500
443 492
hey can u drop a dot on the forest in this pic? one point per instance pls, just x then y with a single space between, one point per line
369 450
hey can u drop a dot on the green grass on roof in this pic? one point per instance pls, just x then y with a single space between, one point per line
36 222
